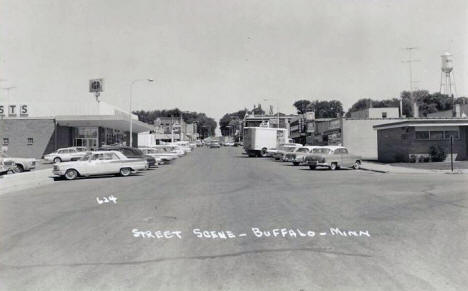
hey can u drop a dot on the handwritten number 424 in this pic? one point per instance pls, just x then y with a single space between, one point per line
109 199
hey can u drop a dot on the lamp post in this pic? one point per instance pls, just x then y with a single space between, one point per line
277 109
131 100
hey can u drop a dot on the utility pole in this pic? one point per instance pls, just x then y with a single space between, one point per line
410 62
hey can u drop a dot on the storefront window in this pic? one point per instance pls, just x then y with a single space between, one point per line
422 135
437 135
87 132
454 133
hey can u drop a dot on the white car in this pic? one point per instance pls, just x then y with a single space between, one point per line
17 164
171 149
185 146
160 153
66 154
298 156
99 163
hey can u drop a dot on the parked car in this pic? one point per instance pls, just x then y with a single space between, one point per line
184 145
66 154
3 169
333 157
171 149
284 150
99 163
214 144
298 156
17 164
229 144
159 153
271 152
130 152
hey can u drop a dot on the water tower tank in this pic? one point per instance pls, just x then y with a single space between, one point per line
447 63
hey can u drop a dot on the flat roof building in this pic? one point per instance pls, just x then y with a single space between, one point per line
403 141
36 128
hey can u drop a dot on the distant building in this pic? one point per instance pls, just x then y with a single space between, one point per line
356 132
268 120
461 111
368 113
400 141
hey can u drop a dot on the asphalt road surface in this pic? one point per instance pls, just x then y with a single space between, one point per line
403 232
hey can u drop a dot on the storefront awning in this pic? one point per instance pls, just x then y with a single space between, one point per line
108 121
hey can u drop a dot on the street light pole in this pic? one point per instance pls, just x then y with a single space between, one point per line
130 111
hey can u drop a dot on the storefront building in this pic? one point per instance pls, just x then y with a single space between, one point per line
36 129
404 140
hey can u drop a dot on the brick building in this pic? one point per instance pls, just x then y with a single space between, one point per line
35 129
399 141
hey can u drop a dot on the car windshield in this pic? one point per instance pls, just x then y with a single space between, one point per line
303 150
289 149
321 151
86 157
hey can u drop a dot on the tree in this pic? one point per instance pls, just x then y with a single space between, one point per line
302 106
228 119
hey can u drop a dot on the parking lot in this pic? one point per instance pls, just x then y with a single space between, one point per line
217 219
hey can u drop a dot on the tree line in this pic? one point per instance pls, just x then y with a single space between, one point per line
427 103
205 125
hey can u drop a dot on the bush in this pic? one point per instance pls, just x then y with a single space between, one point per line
437 153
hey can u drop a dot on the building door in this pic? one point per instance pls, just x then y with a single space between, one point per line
86 142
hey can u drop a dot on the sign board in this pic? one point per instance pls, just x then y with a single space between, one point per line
14 110
264 124
309 115
96 85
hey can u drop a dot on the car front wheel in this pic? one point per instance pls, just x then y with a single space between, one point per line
125 172
71 174
57 160
357 165
296 163
312 167
333 166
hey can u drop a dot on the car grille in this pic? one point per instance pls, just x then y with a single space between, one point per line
8 163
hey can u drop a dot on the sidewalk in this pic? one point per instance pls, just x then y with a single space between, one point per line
388 168
25 180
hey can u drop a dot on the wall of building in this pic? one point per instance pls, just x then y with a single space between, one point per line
396 144
392 112
19 130
359 136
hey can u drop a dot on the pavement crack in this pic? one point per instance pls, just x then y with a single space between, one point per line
181 258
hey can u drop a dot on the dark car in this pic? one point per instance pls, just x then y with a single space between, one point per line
130 152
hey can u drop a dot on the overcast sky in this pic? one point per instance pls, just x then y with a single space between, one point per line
221 56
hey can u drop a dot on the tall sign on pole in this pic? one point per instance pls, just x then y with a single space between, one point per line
96 86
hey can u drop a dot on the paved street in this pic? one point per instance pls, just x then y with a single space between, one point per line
57 237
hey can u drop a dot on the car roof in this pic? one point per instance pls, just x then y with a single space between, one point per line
311 147
334 147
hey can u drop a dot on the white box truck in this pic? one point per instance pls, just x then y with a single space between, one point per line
257 140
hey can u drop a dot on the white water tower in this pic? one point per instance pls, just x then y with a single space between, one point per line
447 80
